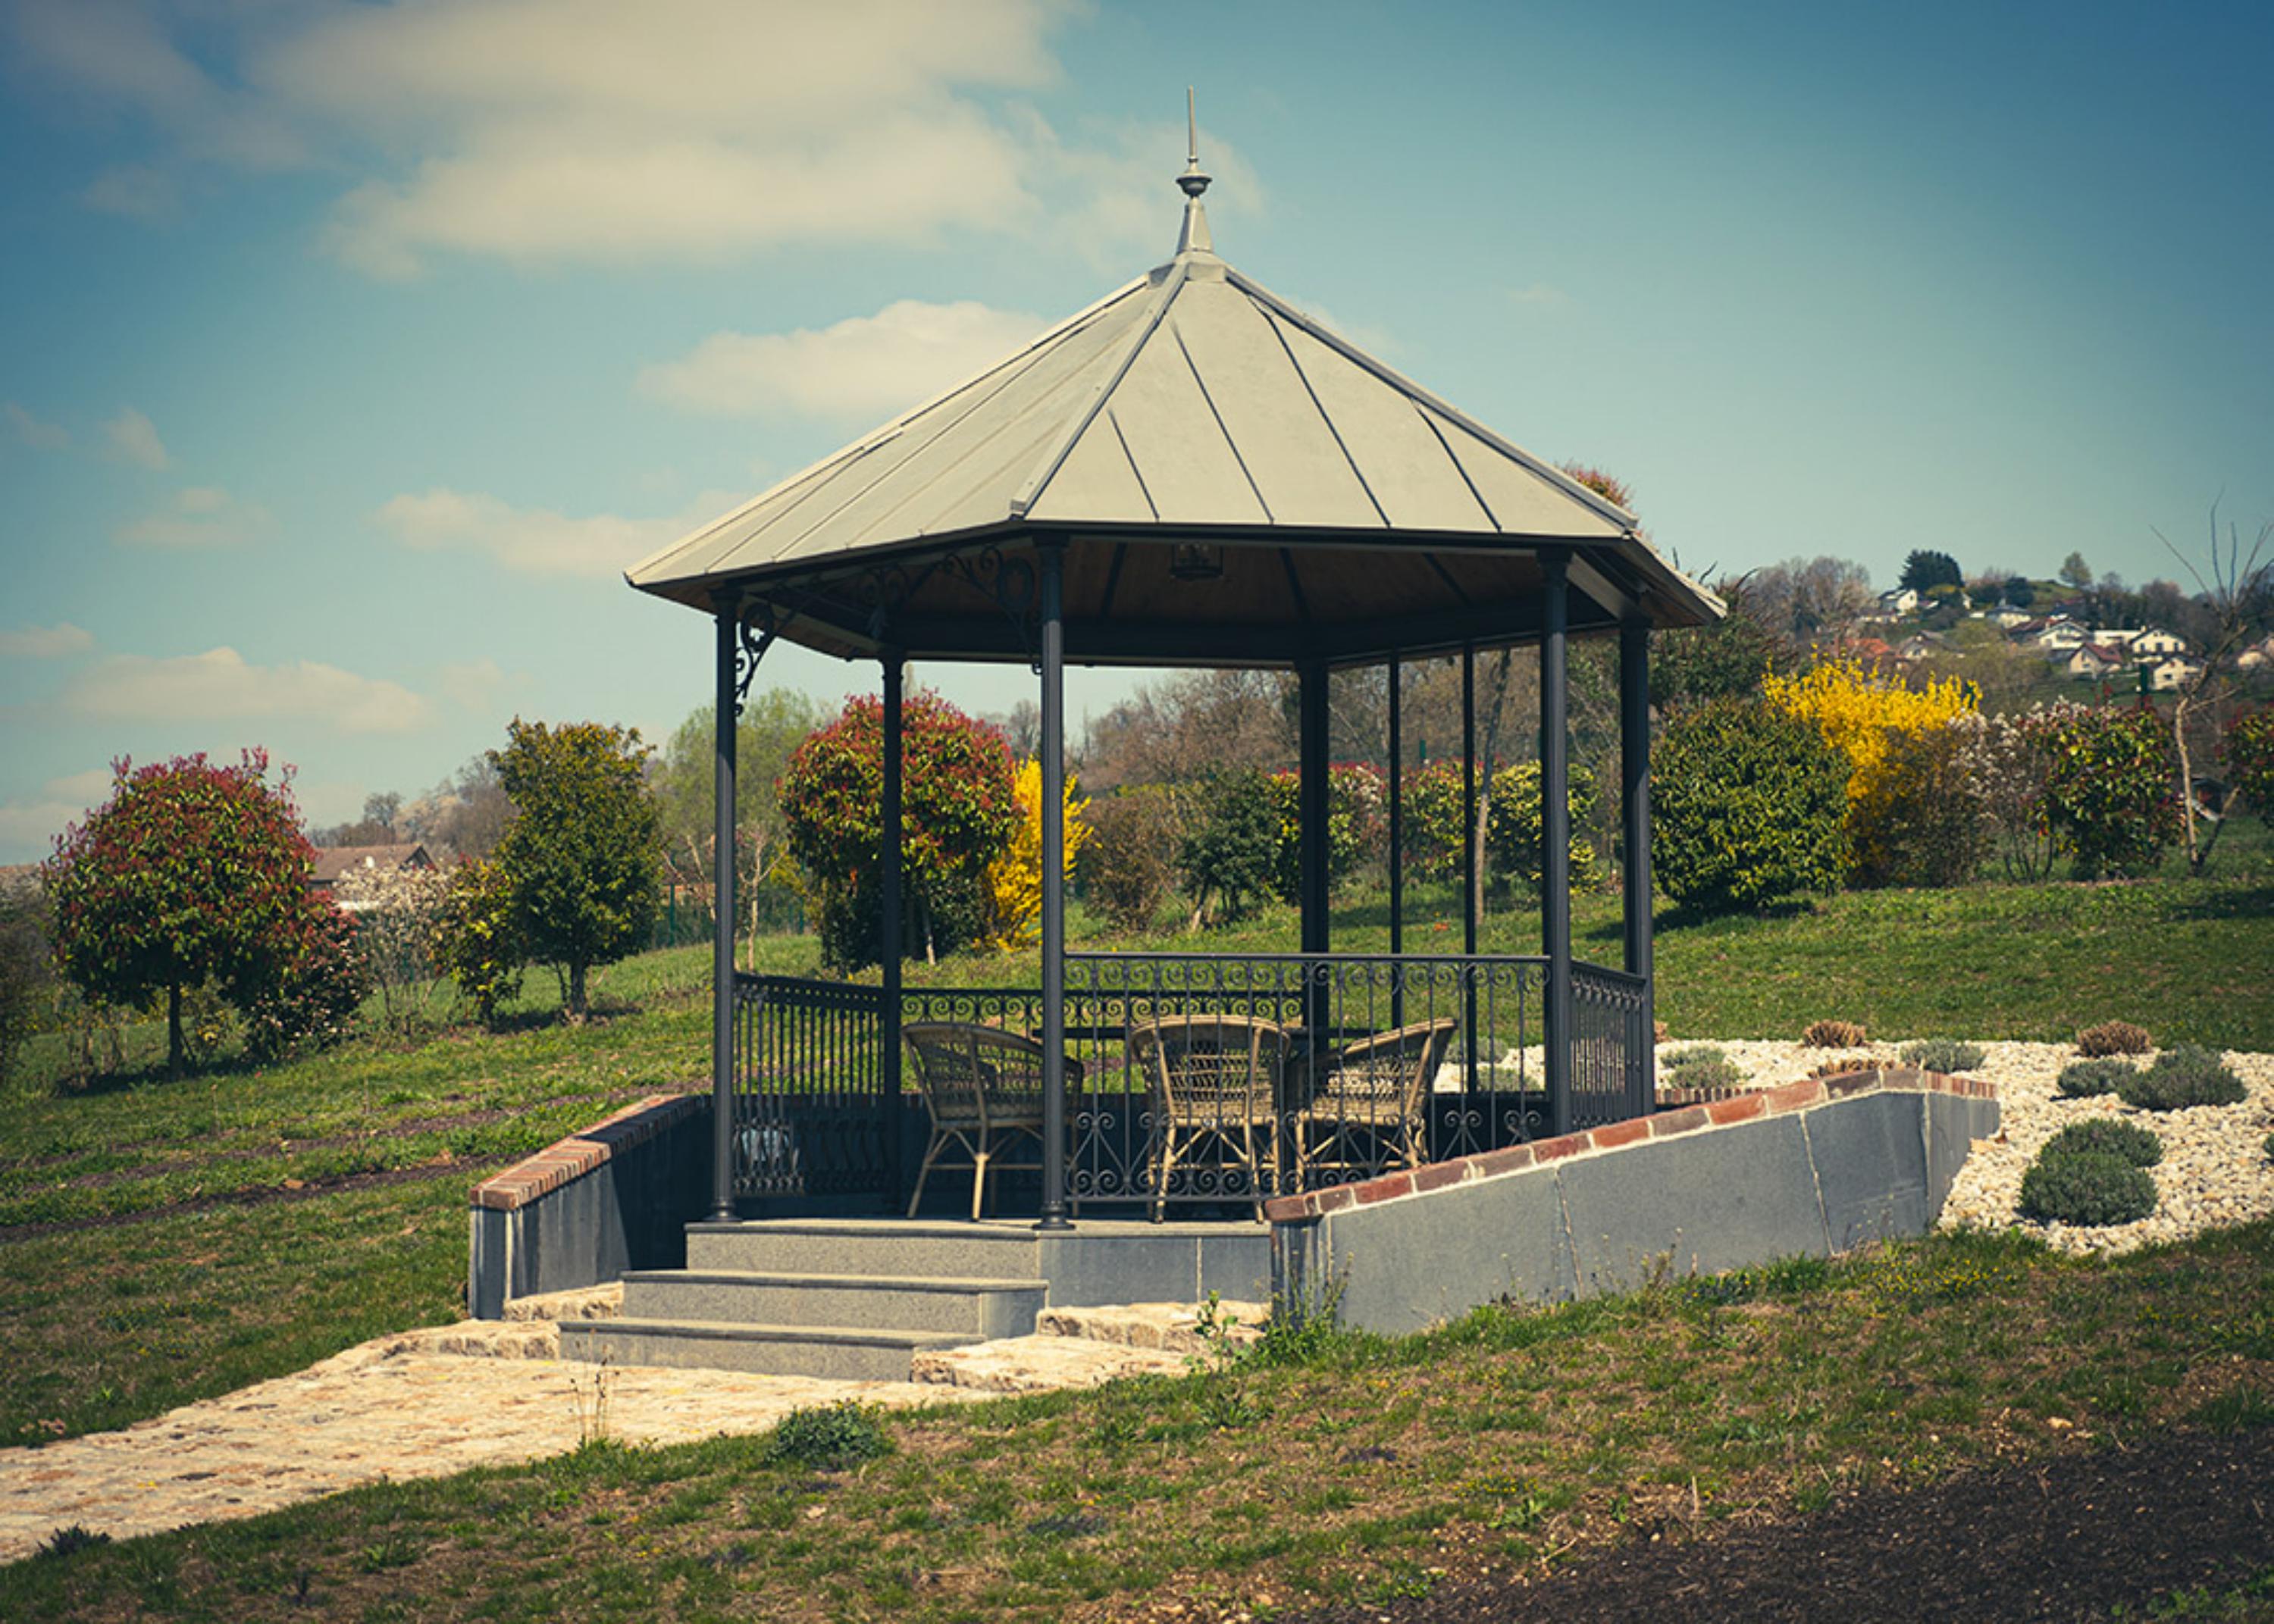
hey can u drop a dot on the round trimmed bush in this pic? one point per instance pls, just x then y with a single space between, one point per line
2109 1136
1944 1055
2089 1189
2113 1037
2086 1079
1748 805
2181 1077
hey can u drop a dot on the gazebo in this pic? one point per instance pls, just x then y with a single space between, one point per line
1189 472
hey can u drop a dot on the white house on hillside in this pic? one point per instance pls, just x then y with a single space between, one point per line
2056 636
1898 600
2171 670
2092 662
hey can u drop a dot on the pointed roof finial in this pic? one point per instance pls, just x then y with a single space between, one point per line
1193 182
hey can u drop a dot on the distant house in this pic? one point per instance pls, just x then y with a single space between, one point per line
2057 634
2094 662
2151 641
2004 617
338 868
1921 645
2171 670
1898 600
2256 654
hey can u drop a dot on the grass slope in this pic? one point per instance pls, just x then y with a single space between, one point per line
110 1318
1351 1469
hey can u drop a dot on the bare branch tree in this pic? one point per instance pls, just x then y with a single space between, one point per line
2230 596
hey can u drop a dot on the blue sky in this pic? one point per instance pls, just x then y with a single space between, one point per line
351 350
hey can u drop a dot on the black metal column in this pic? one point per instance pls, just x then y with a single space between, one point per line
1397 806
890 836
1054 1117
1556 842
1311 801
1634 812
722 893
1470 855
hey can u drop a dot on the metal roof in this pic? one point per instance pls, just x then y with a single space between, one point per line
1355 511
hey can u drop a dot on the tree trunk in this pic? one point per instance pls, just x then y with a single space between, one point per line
174 1032
1487 746
576 991
2187 781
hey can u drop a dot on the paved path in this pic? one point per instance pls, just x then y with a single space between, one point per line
395 1408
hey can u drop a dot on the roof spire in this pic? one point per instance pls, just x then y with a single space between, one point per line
1193 238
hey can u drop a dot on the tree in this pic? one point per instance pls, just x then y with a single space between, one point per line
1232 853
463 815
2020 591
2075 572
1925 570
769 731
581 857
2230 607
958 807
1750 804
2109 798
190 873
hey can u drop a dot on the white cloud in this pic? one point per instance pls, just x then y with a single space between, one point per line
32 431
1538 293
202 517
135 437
533 540
863 367
45 642
673 131
28 828
220 685
470 683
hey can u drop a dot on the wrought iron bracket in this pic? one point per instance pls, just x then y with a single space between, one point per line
756 627
1015 588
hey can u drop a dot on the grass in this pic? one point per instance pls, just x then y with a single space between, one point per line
1359 1472
241 1223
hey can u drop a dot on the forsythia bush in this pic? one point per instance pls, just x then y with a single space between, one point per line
1748 805
1890 734
1014 880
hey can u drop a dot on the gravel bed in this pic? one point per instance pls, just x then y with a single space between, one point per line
2214 1170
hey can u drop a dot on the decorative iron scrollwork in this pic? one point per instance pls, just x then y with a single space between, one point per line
1014 587
756 627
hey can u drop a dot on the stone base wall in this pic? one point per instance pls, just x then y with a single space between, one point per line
1810 1169
616 1197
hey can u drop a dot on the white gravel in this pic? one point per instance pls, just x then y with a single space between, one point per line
2214 1169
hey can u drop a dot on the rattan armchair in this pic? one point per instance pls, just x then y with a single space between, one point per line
978 1083
1213 1077
1372 1096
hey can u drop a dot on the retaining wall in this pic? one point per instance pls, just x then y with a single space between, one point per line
1810 1169
618 1196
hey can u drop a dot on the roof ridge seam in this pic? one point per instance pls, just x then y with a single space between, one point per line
1222 428
1148 325
1271 321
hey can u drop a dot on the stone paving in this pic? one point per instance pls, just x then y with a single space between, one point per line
443 1400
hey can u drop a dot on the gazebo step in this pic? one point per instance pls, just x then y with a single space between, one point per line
886 1248
981 1307
845 1353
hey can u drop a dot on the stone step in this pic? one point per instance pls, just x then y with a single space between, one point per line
983 1308
844 1353
894 1249
1040 1363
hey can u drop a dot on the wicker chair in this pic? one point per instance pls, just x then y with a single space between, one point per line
1376 1089
978 1083
1212 1077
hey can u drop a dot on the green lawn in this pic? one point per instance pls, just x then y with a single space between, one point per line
1352 1470
138 1188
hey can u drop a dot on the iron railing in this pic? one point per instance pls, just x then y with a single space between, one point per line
1206 1078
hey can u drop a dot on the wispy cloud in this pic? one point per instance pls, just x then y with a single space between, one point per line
134 438
29 825
863 367
1538 293
32 430
137 192
45 642
221 685
202 517
536 541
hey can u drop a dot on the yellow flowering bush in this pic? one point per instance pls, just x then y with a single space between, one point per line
1014 880
1892 738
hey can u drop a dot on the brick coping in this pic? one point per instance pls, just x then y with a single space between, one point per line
1779 1101
581 1153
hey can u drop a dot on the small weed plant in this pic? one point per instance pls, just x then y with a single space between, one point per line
2088 1079
1944 1055
2113 1037
2087 1189
2181 1077
1832 1034
2110 1136
70 1541
829 1437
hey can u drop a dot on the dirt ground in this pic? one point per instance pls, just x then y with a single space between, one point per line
2073 1538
